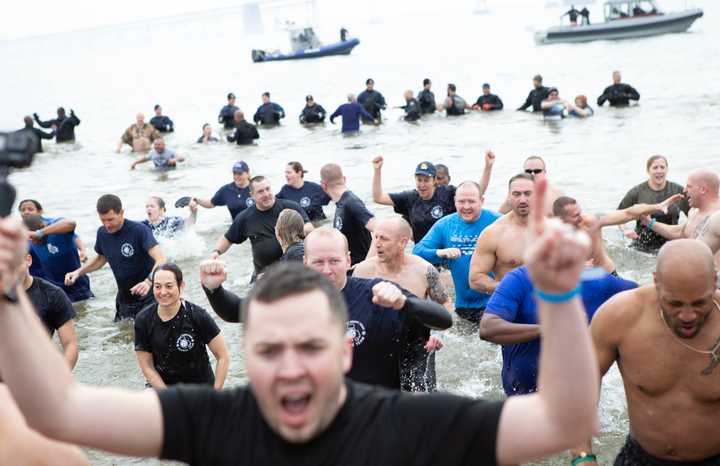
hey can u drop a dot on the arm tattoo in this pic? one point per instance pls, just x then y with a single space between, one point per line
436 290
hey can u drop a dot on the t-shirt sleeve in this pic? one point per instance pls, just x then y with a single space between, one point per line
505 302
401 202
358 210
142 339
281 194
630 199
616 285
206 325
236 232
98 244
447 429
147 239
218 199
62 310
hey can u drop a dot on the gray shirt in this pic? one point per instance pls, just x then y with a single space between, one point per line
161 159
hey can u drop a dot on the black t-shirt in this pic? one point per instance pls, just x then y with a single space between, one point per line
422 214
374 427
259 227
351 216
51 304
311 198
126 251
236 199
178 346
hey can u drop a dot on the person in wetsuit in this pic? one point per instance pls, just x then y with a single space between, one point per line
350 113
488 102
245 133
269 113
585 14
37 132
572 13
372 101
454 104
427 98
227 113
63 125
313 112
411 107
619 94
536 96
161 122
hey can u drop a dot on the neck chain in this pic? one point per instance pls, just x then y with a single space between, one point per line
714 351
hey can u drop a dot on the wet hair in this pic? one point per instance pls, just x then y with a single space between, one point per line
331 173
654 159
28 120
441 166
286 279
156 107
521 176
290 226
170 267
474 184
160 202
369 81
426 81
536 157
582 99
266 94
205 126
256 179
297 168
560 204
451 87
33 201
61 111
108 202
34 222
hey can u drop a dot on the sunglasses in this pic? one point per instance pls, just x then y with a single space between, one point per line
534 171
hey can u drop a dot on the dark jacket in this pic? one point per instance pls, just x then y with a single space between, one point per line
492 100
269 114
314 114
535 98
39 135
619 95
163 124
227 116
294 252
244 133
65 131
427 101
350 113
372 102
412 110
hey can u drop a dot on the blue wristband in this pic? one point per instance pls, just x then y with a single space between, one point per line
651 224
558 298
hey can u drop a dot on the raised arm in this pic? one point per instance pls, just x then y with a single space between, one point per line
483 262
378 195
487 171
226 304
43 124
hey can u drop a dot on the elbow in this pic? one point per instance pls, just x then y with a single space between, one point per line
486 332
478 283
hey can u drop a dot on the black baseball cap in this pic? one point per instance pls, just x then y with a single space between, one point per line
486 86
308 98
369 81
426 169
231 96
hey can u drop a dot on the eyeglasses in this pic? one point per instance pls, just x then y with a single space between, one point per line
534 171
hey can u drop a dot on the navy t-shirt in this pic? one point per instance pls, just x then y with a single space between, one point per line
127 253
58 255
422 214
514 301
311 198
51 304
351 216
236 199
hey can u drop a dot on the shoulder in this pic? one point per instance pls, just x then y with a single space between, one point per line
288 204
146 315
621 312
365 268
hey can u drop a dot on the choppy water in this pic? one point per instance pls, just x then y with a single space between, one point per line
188 66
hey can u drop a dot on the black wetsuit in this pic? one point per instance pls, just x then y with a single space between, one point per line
39 134
65 127
619 95
427 101
314 114
535 98
490 99
244 133
373 102
458 106
412 110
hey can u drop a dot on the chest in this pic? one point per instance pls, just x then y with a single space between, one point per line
511 248
126 248
696 225
372 327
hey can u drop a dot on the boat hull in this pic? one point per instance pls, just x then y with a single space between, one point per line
338 48
621 29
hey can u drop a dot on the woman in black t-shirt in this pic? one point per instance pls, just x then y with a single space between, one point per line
171 337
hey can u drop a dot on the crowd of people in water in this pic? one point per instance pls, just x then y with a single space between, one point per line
346 314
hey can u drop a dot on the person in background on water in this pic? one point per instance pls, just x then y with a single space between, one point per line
585 14
411 107
63 125
227 113
235 196
536 95
167 225
618 94
161 157
554 106
426 97
581 109
37 132
454 105
28 207
161 122
139 136
245 133
309 195
372 101
132 252
573 14
442 175
207 135
350 113
488 102
655 190
343 35
290 233
172 337
269 113
312 112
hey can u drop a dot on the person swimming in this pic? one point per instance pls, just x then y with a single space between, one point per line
164 225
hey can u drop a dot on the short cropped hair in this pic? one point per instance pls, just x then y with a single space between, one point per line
256 179
33 202
108 202
560 204
521 176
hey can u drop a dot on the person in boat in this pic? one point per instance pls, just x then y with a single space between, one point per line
139 135
162 122
454 105
245 133
585 15
163 225
227 113
313 112
372 101
536 96
488 102
343 35
411 107
619 94
350 113
162 157
269 113
637 11
554 106
207 135
63 125
572 13
581 109
427 98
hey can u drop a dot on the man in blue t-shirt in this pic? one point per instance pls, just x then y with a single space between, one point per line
452 239
350 113
511 321
132 252
53 247
236 195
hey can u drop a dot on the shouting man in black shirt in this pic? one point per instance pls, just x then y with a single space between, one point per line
619 94
299 409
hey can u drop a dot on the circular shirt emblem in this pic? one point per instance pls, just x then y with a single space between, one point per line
185 342
305 202
356 331
249 202
52 249
127 250
338 223
437 212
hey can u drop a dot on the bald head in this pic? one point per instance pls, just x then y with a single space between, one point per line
391 236
685 260
332 175
708 179
140 118
398 227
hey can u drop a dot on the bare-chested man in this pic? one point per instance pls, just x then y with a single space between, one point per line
665 339
535 166
416 275
569 211
501 247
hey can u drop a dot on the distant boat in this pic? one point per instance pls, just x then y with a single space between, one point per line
624 19
305 44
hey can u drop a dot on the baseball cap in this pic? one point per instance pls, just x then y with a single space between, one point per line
425 169
240 167
308 98
231 96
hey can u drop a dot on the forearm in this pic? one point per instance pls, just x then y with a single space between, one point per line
221 370
70 352
377 192
96 263
226 304
485 179
427 252
222 245
153 377
61 226
668 231
207 203
482 282
502 332
428 313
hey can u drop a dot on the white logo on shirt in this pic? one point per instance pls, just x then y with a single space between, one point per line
305 202
52 249
249 202
127 250
437 212
356 331
338 223
185 342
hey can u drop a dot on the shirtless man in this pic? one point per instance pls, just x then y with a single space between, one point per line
535 166
664 338
416 275
501 247
569 211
